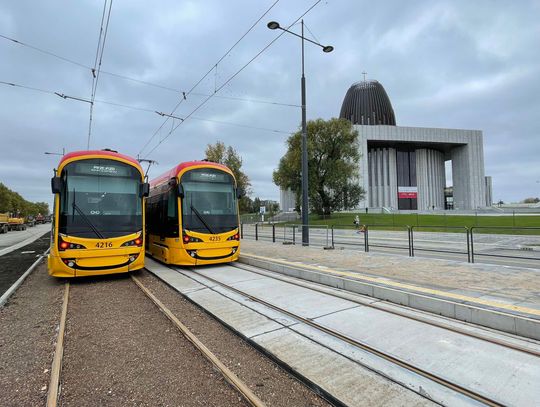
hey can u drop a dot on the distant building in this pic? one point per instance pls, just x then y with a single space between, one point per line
287 200
404 167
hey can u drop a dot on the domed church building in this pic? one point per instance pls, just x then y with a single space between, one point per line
404 167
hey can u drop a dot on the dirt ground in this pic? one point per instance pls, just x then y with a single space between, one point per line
121 350
14 264
28 326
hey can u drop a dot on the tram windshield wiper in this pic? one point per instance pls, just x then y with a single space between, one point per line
85 218
201 218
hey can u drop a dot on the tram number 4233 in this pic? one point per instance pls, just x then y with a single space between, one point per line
103 245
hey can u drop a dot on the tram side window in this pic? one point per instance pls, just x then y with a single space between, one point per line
172 213
154 222
163 214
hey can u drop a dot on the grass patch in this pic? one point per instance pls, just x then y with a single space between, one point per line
434 223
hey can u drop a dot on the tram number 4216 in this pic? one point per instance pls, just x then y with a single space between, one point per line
103 245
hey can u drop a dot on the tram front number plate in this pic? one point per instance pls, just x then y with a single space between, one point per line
103 245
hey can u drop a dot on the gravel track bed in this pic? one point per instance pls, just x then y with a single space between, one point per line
14 264
273 385
121 350
28 328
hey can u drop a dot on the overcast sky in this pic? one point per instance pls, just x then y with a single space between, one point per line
449 64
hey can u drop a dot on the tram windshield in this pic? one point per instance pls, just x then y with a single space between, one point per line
100 199
209 204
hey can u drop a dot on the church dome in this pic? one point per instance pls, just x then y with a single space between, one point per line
367 103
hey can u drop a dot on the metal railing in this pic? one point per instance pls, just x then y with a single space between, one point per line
417 238
501 228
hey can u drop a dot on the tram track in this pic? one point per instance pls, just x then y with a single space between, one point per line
473 395
229 376
416 316
55 383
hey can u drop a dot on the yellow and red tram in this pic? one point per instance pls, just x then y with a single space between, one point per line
192 215
98 224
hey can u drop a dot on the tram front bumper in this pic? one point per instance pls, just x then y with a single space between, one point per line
90 263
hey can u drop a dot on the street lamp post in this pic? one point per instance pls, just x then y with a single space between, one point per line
274 25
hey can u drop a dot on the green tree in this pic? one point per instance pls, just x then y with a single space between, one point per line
12 202
5 198
220 153
333 161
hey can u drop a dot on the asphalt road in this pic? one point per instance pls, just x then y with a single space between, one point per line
14 237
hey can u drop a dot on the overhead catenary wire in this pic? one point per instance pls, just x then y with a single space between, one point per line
227 81
142 109
313 35
97 63
146 83
16 85
44 51
214 66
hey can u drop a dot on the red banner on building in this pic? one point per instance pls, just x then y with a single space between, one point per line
408 192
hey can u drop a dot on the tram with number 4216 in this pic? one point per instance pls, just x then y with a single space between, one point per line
192 215
98 223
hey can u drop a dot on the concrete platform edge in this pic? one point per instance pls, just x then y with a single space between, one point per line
490 318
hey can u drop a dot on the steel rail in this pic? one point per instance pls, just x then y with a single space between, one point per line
428 321
54 383
336 334
239 385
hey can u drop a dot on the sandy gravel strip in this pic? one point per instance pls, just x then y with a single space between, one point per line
250 397
28 324
121 350
273 385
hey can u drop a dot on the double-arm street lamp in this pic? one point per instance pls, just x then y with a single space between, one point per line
274 25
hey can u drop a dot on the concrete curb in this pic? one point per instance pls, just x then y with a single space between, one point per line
11 290
490 318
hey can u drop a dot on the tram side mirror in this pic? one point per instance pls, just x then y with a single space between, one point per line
144 189
240 193
56 185
180 191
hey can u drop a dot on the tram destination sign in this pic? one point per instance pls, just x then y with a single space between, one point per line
208 176
102 169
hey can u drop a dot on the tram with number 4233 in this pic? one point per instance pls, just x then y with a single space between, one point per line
98 224
192 215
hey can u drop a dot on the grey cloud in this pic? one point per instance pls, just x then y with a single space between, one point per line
454 64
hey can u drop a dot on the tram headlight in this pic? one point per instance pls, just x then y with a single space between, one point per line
135 242
190 239
69 262
236 236
63 245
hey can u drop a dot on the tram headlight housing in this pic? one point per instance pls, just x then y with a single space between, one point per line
134 242
190 239
69 262
63 245
236 236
